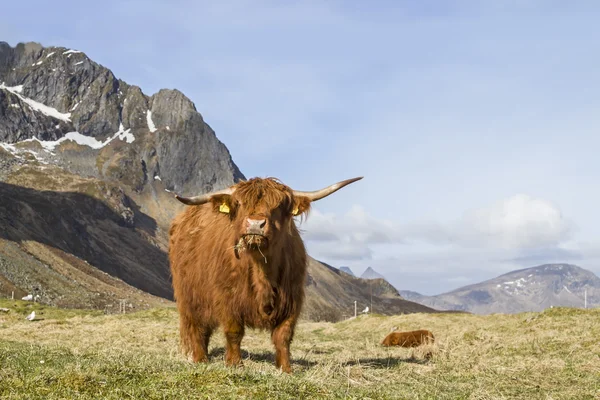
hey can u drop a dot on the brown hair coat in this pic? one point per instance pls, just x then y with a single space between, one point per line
224 274
408 339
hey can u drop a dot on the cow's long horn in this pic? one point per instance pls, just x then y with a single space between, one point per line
319 194
203 198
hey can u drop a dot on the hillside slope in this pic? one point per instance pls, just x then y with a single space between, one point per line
87 218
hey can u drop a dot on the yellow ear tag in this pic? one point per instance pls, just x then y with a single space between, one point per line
295 212
224 208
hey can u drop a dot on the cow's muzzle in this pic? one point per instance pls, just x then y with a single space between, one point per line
254 241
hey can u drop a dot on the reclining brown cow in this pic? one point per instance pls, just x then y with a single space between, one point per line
408 339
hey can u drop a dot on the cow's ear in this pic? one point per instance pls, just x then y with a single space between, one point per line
301 205
224 204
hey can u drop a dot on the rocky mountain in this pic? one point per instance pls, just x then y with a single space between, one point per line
87 164
530 289
370 273
347 270
72 112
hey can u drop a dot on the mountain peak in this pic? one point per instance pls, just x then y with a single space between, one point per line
556 267
370 273
553 272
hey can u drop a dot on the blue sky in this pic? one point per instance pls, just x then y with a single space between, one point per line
475 123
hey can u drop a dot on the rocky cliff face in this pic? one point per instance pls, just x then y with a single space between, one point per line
47 93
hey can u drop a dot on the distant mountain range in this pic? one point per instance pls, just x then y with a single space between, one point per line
529 289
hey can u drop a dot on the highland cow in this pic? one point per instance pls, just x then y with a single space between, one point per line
237 261
408 339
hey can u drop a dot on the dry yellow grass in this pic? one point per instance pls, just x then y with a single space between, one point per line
549 355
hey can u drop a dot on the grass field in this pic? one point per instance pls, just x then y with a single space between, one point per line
83 354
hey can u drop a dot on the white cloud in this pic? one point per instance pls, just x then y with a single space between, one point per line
515 223
520 224
356 226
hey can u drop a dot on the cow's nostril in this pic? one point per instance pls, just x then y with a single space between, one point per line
256 224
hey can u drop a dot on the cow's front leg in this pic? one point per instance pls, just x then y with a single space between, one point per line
282 337
234 332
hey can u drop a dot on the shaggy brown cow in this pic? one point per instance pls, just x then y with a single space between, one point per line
237 261
408 339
